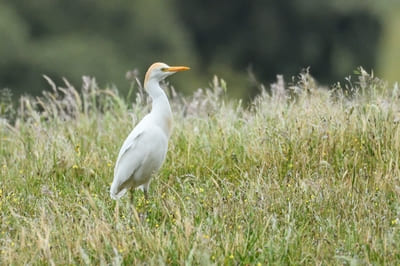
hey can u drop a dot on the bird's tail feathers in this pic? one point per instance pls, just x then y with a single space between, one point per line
115 193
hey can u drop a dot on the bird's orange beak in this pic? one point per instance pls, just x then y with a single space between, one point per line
176 68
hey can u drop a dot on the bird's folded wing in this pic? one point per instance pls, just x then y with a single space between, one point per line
130 143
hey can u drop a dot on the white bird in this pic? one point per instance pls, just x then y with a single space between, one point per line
144 150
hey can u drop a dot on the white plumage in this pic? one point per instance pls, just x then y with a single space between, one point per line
144 150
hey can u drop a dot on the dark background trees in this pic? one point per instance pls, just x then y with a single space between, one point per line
106 38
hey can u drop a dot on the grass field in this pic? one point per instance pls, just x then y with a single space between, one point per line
302 175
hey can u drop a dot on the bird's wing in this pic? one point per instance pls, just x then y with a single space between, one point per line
129 160
129 143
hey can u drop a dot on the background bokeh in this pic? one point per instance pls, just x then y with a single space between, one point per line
244 42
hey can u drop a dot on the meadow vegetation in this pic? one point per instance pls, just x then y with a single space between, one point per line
300 175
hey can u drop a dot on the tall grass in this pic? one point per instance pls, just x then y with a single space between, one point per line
303 175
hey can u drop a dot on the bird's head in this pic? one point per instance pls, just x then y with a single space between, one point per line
159 71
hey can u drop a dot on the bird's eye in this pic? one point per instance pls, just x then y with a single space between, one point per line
163 69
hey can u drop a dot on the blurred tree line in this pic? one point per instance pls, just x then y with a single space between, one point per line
107 38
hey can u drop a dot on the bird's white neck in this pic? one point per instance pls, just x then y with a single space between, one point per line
161 110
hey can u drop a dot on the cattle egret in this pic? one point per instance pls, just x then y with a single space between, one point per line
143 152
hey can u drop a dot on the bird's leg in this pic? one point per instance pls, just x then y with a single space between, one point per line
132 197
146 195
134 212
143 215
145 189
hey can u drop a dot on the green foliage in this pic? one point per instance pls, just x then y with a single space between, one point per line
389 60
71 38
105 39
285 36
13 34
303 176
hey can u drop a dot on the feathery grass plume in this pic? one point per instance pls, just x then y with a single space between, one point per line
278 89
311 178
7 109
